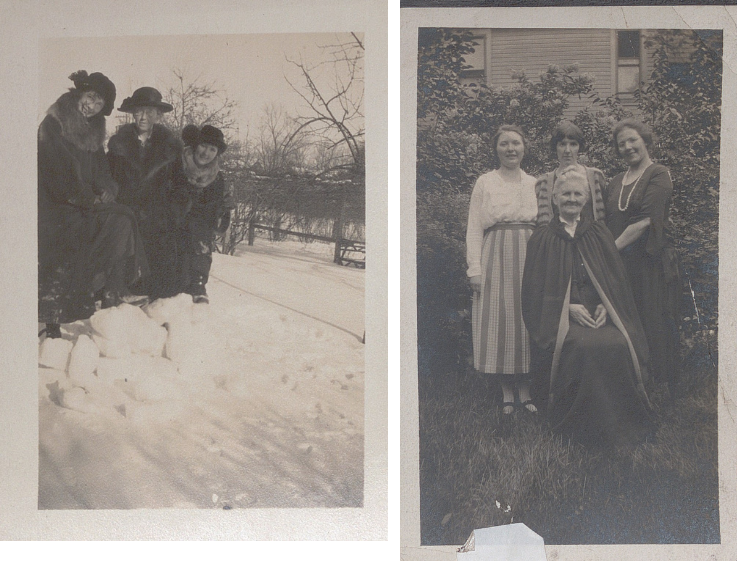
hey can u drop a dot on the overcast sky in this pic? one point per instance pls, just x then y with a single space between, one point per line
249 68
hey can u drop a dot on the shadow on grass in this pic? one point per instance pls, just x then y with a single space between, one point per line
479 468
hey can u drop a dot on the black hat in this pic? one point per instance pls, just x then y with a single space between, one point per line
145 97
96 82
192 136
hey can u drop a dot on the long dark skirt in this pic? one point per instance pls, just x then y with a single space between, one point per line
596 398
658 300
81 252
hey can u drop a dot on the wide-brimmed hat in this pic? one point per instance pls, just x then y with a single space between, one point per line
192 136
145 97
96 82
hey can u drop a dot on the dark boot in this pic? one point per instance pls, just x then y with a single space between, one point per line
198 292
52 331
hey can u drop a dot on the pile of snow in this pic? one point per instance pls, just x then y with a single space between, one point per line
129 353
256 398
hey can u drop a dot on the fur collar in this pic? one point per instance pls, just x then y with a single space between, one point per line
85 134
199 176
165 148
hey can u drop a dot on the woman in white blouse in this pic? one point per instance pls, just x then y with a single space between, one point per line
501 218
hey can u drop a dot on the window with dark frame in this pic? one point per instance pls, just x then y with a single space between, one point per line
628 61
476 61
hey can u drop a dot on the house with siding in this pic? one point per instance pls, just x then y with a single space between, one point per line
617 60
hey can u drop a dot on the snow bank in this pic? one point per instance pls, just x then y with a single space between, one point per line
127 327
54 353
83 361
127 354
270 373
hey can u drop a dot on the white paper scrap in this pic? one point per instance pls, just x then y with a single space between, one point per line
511 542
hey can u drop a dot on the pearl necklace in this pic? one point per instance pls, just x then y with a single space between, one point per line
637 182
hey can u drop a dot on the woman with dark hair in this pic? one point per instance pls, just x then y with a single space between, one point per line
566 143
87 243
638 215
210 203
501 218
142 156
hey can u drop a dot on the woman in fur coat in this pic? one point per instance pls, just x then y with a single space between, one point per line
210 203
142 157
87 243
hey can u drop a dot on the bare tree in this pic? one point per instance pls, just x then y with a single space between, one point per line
280 147
198 102
333 91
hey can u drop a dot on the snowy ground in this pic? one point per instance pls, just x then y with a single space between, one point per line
261 404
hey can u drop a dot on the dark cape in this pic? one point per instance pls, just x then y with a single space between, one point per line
145 178
591 381
82 246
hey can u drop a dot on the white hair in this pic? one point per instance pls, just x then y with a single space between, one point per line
570 175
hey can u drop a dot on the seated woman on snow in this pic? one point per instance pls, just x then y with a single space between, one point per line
579 310
88 245
210 204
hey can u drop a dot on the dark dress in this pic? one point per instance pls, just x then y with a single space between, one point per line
144 173
82 246
593 378
651 263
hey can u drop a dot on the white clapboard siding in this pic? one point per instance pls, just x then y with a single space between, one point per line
533 50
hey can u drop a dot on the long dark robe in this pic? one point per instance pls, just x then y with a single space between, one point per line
82 246
593 378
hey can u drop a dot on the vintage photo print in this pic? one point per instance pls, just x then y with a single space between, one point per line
265 229
205 202
565 193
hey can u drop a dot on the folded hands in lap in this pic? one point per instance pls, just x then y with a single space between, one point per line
581 315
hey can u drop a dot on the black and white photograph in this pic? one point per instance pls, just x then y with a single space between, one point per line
201 272
567 208
202 202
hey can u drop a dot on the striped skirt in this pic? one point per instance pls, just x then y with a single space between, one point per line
500 341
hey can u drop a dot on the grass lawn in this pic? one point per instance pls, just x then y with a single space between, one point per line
479 468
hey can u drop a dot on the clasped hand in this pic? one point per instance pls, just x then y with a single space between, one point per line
581 315
104 197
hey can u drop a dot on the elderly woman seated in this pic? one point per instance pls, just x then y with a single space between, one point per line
578 308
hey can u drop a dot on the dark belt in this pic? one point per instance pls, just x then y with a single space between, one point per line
510 226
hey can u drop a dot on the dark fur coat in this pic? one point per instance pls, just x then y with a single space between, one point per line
75 251
144 174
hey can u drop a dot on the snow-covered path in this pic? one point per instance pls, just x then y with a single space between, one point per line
271 415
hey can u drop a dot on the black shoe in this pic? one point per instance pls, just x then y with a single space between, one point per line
52 331
200 299
198 293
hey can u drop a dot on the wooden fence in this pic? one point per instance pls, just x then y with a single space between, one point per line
345 250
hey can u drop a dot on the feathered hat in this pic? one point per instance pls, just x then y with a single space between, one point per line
96 82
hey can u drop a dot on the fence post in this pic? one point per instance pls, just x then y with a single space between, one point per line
251 232
338 226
